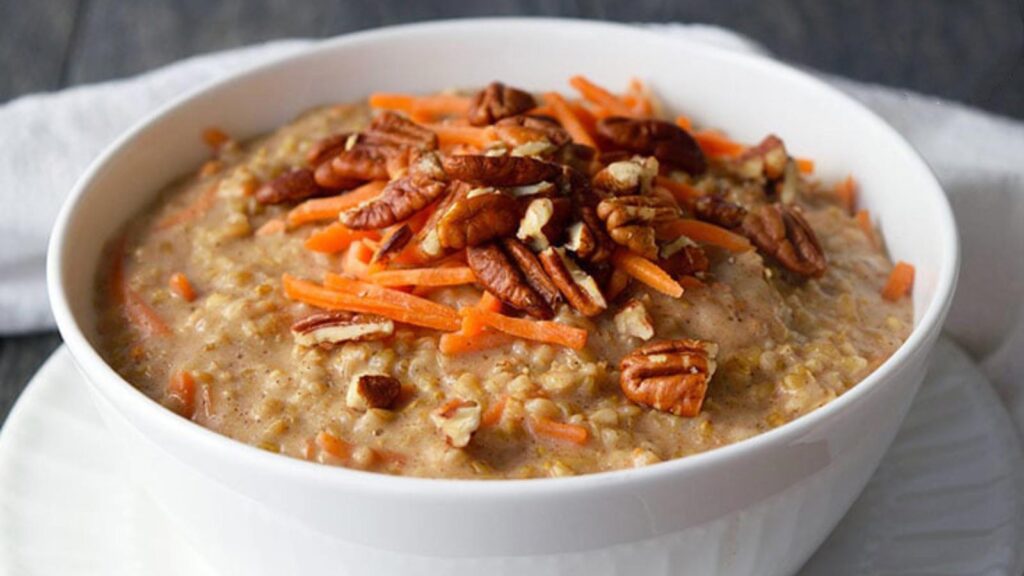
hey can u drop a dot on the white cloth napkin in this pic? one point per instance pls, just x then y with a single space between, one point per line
49 139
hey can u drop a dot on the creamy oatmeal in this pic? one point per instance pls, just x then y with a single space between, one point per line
499 285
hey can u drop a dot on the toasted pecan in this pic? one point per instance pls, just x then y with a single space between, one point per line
782 233
670 375
498 101
665 141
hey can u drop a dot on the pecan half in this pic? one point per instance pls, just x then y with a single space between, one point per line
499 171
682 257
328 147
399 200
521 130
326 329
478 218
780 232
665 141
718 210
503 275
631 220
361 163
367 391
391 129
628 177
671 375
498 101
325 178
579 288
457 419
292 186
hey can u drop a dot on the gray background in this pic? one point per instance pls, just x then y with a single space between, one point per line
966 50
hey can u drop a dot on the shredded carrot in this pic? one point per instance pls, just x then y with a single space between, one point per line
684 123
357 259
901 280
600 96
336 237
717 145
391 101
138 313
641 96
452 135
272 227
538 330
424 277
616 284
182 390
182 287
194 210
334 446
490 302
561 431
704 232
587 115
492 415
542 110
846 190
355 296
330 207
805 165
647 272
422 106
457 343
863 218
215 138
572 124
682 192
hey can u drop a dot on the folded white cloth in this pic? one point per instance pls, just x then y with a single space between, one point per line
49 139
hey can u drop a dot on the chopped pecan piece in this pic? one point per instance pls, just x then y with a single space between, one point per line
292 186
767 159
682 257
393 244
367 391
477 218
718 210
633 320
780 232
499 171
543 221
665 141
587 238
631 220
628 177
329 147
399 200
457 419
326 329
512 276
325 178
498 101
579 288
391 129
361 163
521 130
671 375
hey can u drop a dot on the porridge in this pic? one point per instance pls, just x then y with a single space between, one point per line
499 285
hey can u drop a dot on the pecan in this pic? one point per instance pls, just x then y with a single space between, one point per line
391 129
671 375
718 210
325 178
633 320
399 200
457 419
578 287
477 218
663 140
496 102
292 186
520 130
367 391
328 147
511 276
780 231
786 185
543 221
579 157
682 257
393 244
627 178
630 221
325 329
767 159
361 163
587 237
499 170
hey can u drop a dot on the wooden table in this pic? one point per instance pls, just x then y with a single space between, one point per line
966 50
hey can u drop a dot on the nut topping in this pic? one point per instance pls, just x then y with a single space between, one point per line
633 320
391 129
393 244
326 329
578 287
780 232
543 222
671 375
718 210
498 101
767 159
291 186
665 141
329 147
399 200
471 221
533 271
499 170
627 178
522 130
682 257
512 277
361 163
373 391
631 220
457 419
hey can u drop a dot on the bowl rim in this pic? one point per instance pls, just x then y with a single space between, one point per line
107 381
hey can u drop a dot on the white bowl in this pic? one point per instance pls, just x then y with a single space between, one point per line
760 506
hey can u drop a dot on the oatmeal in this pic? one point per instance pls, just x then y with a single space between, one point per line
499 285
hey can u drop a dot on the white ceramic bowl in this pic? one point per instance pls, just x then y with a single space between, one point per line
760 506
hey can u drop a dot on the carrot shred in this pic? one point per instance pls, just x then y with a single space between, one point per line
334 446
560 431
215 138
681 191
453 135
704 232
600 96
138 313
271 227
492 415
336 237
641 96
182 390
684 123
863 218
201 205
355 296
587 115
421 106
490 302
846 190
805 165
457 343
424 277
392 101
357 259
647 272
330 207
572 124
717 145
180 285
900 281
537 330
617 282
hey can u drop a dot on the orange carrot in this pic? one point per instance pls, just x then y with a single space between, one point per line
424 277
492 415
330 207
647 272
641 96
392 304
805 165
616 284
182 287
194 210
542 110
863 218
600 96
538 330
138 313
456 343
588 116
271 227
334 446
215 138
846 190
717 145
452 135
422 106
490 302
568 119
391 101
336 237
704 232
182 391
357 259
684 123
901 280
681 191
472 326
561 431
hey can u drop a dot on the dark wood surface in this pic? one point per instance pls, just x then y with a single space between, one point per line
966 50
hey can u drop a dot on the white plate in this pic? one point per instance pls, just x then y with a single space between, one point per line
947 499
